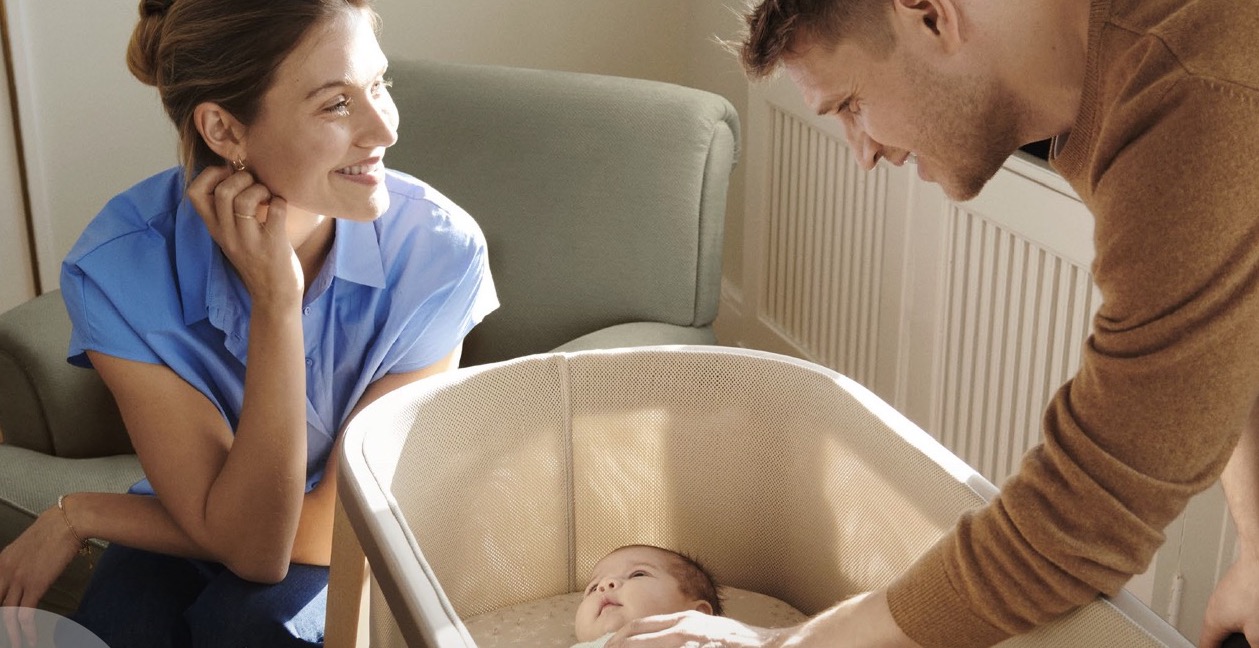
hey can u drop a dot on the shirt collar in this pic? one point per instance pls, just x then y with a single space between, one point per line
194 253
355 256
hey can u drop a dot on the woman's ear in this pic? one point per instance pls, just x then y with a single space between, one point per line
937 21
702 606
222 132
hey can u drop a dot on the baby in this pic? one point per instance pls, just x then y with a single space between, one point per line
637 581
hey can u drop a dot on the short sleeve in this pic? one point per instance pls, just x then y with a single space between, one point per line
451 313
97 323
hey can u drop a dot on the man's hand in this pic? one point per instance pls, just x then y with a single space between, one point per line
1234 605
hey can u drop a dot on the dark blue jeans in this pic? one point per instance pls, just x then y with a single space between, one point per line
141 599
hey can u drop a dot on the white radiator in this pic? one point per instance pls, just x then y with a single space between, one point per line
824 242
1015 314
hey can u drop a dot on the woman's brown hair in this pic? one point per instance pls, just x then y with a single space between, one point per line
221 51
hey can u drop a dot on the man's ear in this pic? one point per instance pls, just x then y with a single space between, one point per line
222 132
938 21
702 606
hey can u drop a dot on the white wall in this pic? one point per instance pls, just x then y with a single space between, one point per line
17 276
641 38
712 68
92 130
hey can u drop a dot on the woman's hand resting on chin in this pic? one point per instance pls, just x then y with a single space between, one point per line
249 224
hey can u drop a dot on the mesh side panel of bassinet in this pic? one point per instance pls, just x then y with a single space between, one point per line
484 478
771 472
517 480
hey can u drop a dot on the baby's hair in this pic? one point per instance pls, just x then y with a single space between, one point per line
697 582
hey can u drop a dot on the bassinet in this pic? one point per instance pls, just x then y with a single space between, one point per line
502 484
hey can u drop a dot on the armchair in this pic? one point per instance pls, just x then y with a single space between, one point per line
602 200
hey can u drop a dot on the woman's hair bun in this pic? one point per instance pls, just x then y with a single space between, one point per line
154 7
142 51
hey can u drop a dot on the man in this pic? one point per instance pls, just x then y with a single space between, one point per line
1154 110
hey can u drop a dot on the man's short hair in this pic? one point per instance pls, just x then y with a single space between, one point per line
775 27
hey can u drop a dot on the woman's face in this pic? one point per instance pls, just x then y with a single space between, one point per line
320 138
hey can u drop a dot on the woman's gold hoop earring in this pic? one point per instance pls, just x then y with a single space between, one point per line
238 164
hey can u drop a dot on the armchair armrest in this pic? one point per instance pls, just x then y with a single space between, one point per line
47 404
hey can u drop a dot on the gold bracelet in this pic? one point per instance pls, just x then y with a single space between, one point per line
61 505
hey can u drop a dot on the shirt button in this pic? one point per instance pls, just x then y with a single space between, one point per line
310 362
306 310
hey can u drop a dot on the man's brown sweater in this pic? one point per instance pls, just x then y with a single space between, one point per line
1165 153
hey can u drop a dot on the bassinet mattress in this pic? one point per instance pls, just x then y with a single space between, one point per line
548 623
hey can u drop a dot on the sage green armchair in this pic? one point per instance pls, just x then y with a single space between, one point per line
602 200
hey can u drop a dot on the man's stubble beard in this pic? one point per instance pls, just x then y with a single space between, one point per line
968 130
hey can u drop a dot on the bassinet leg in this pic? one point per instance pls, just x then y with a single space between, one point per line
346 625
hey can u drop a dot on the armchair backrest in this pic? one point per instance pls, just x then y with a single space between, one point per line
602 198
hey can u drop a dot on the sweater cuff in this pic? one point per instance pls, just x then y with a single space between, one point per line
929 609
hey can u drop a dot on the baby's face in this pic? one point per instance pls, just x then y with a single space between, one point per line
629 584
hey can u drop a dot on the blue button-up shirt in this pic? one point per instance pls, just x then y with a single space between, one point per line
145 282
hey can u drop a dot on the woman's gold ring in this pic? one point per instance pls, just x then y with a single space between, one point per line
245 216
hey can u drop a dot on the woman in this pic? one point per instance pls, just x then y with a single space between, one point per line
242 308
